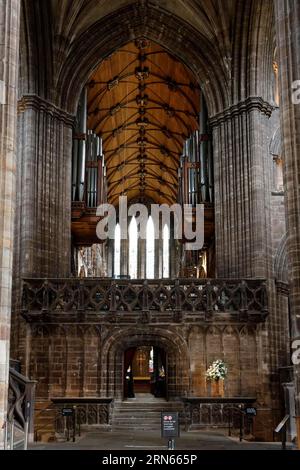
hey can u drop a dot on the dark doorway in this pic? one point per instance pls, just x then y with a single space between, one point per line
145 372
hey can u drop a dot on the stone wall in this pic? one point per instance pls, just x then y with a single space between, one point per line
80 361
87 361
287 14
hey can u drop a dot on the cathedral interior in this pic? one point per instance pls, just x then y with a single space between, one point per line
165 104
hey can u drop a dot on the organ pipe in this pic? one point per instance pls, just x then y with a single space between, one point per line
204 151
94 169
210 172
94 187
202 126
81 169
79 149
82 143
74 169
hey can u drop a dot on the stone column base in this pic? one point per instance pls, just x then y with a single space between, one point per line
264 424
298 431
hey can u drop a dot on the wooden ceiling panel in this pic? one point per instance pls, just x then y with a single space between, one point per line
144 103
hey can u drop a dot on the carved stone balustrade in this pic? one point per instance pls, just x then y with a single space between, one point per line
95 300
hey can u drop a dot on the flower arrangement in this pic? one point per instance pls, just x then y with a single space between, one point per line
217 370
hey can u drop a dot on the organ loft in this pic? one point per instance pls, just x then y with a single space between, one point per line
176 108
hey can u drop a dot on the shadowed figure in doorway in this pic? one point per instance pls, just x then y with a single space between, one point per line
128 382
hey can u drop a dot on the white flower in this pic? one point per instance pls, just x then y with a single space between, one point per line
217 370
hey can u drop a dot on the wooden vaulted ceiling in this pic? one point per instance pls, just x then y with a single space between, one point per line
144 104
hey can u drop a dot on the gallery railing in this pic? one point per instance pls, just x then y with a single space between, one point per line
95 299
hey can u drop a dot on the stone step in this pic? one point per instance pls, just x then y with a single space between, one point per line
147 410
44 422
122 427
139 429
138 415
136 421
154 402
144 412
143 406
133 423
147 407
141 415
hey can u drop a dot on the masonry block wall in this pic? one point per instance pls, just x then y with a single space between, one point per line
66 360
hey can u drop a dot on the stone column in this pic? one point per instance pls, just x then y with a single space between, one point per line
242 189
242 177
124 268
281 323
9 52
157 259
289 401
174 253
44 196
110 258
141 258
43 212
287 22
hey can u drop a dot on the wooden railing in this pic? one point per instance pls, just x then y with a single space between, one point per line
19 422
98 300
88 411
227 413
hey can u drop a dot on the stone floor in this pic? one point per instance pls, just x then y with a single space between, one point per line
196 440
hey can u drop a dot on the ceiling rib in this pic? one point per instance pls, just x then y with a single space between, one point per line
144 103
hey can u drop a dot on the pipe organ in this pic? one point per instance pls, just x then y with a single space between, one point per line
89 187
196 187
79 149
196 166
88 164
95 193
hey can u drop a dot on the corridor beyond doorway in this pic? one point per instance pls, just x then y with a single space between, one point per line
145 373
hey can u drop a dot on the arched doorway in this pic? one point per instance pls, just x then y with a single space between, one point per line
145 372
171 353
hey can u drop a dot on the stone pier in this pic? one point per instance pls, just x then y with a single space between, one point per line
287 17
9 50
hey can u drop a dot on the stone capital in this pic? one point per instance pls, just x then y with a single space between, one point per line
246 106
282 288
32 101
